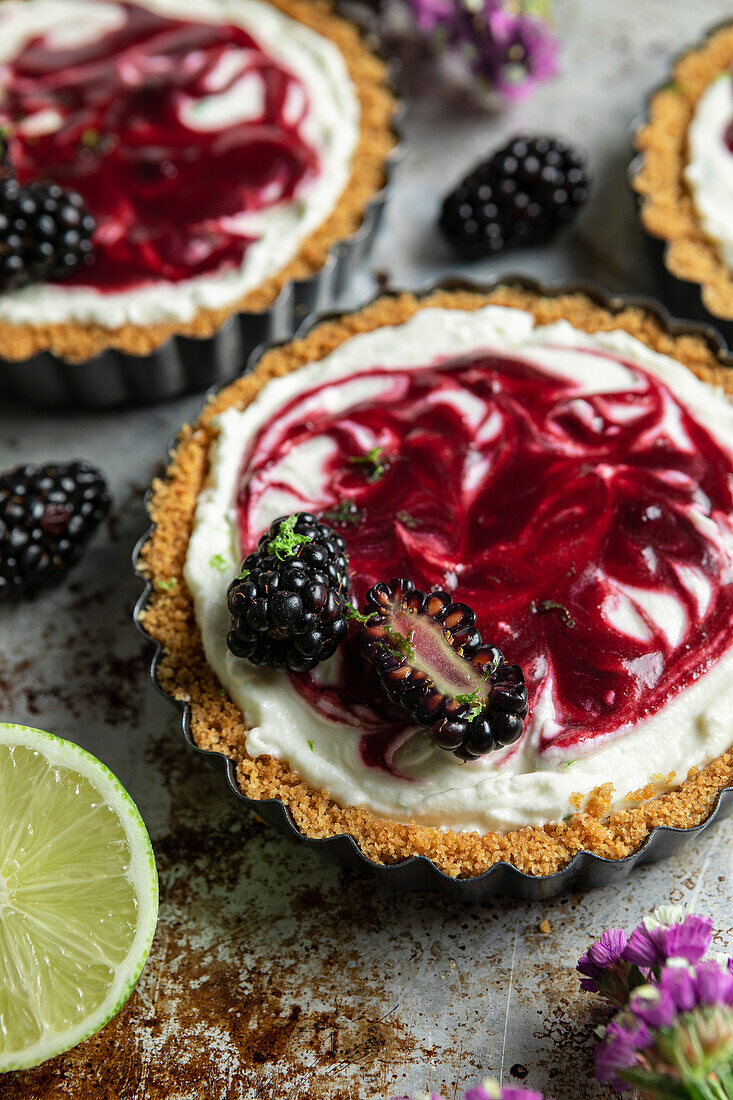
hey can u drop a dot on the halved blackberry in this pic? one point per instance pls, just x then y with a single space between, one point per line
431 659
45 233
47 514
521 195
288 605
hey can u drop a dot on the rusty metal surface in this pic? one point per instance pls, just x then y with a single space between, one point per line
274 974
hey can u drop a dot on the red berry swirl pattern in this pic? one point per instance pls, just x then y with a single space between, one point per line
591 532
163 192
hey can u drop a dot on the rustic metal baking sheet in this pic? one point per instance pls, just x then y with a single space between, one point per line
276 975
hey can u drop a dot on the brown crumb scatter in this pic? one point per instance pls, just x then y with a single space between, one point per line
218 725
545 927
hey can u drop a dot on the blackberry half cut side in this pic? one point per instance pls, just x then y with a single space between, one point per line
288 605
432 661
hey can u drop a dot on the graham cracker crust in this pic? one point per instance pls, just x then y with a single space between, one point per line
667 211
77 342
218 725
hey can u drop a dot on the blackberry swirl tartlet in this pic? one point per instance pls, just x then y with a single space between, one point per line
223 154
532 498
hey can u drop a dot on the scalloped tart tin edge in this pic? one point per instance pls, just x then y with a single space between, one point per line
418 872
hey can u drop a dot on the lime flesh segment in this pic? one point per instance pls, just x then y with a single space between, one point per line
78 896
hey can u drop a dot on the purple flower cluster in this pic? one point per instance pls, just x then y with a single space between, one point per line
680 1028
673 1035
490 1090
605 968
615 965
507 47
669 935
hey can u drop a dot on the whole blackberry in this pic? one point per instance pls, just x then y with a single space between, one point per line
521 195
45 233
462 691
47 514
288 605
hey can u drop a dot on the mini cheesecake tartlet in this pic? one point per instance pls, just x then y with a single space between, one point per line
683 178
519 642
224 149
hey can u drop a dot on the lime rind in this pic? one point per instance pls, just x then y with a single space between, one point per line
141 872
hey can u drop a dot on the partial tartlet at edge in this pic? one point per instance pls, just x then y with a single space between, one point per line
702 284
76 343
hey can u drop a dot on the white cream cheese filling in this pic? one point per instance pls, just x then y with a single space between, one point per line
332 127
709 170
529 788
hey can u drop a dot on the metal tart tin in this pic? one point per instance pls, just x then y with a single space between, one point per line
419 872
682 296
189 364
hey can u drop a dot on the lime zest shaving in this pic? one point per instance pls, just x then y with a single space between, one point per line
476 703
218 562
166 586
399 645
356 616
287 541
408 520
553 605
376 460
345 512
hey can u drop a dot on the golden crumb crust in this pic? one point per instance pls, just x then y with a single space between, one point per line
77 342
217 723
667 210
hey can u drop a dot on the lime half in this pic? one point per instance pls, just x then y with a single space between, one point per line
78 896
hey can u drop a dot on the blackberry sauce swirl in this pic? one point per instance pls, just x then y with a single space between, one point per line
591 532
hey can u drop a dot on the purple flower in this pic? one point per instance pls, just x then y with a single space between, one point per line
679 983
509 50
509 1093
654 1007
490 1090
518 52
606 970
667 934
619 1049
714 984
431 14
606 952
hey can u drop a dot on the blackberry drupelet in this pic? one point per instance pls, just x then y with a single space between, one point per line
431 660
288 605
47 515
521 195
45 233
